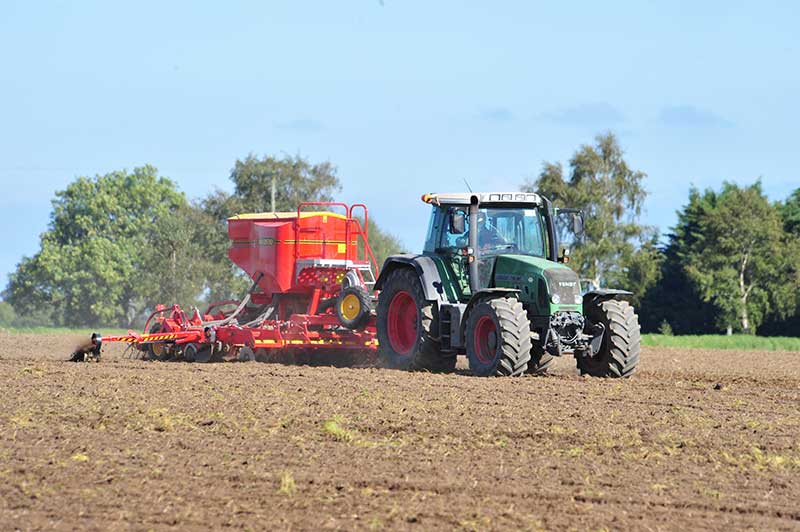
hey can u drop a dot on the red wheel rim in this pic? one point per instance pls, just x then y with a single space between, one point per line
401 323
485 340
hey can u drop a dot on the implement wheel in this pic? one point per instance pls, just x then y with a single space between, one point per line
406 326
246 354
498 338
157 350
619 351
353 307
197 353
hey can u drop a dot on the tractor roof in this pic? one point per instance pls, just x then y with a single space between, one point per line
465 198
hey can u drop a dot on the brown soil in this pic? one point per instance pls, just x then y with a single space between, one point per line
696 440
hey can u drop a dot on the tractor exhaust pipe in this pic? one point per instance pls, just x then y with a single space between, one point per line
474 284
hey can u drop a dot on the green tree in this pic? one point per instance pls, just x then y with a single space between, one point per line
296 180
7 314
739 260
790 213
87 271
176 266
382 243
616 248
642 269
674 299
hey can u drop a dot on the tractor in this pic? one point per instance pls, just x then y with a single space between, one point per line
490 283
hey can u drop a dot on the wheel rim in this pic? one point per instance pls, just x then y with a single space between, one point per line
402 323
158 350
350 307
485 340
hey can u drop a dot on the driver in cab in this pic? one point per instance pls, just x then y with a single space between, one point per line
488 236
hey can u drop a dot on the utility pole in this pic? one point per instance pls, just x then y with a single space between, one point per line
273 193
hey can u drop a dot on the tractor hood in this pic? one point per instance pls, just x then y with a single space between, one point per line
544 282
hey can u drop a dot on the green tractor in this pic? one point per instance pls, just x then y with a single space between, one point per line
490 283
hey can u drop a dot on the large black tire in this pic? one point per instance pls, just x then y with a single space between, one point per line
540 361
498 338
619 352
407 326
353 307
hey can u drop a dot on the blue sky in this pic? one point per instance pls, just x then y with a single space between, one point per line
404 96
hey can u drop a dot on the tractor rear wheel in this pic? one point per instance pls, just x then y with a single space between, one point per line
498 338
353 307
407 325
619 351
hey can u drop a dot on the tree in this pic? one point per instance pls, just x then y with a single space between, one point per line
382 243
175 263
296 180
738 260
87 270
7 314
610 194
642 269
674 298
790 213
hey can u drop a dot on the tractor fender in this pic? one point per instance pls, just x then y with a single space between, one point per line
483 295
604 293
426 270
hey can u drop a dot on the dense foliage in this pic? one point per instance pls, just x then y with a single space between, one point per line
730 264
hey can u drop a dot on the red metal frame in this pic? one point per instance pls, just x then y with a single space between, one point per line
298 321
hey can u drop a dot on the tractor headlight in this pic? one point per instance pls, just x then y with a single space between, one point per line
555 299
578 299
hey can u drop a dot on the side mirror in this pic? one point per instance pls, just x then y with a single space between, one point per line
577 223
458 222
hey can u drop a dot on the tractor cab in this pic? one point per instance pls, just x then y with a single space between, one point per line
510 242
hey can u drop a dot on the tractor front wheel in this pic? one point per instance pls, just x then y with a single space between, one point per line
619 350
406 324
498 338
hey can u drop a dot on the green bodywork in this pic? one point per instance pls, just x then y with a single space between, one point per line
517 272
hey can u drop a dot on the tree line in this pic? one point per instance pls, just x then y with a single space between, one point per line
119 243
730 264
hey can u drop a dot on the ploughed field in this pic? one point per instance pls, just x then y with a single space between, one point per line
695 440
